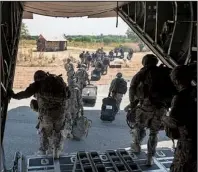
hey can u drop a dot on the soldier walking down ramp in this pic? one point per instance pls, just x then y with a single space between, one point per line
52 94
147 95
118 88
75 101
69 67
181 123
82 77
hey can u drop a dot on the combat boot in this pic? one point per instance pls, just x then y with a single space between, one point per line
41 152
49 151
149 161
56 153
136 148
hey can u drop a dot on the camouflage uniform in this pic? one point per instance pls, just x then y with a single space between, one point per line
106 63
82 77
148 114
88 59
75 100
51 109
82 57
69 67
183 119
116 95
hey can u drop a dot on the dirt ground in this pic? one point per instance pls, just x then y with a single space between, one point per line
36 61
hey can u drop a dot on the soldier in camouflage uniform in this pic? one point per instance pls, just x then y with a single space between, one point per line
88 59
106 63
117 96
82 57
181 124
69 67
75 101
51 93
148 113
82 77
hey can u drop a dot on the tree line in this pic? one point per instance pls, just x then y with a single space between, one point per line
106 39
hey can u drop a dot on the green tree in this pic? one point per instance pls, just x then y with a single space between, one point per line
141 46
24 31
132 35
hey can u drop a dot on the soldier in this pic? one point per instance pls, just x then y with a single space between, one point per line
181 124
82 77
130 54
118 88
75 101
151 107
99 65
106 63
111 55
82 57
69 67
121 52
52 94
93 59
88 59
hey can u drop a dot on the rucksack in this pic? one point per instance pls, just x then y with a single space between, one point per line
54 85
81 127
120 86
156 85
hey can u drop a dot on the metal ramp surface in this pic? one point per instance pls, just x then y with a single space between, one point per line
120 160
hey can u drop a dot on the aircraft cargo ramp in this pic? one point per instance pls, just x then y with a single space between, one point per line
121 160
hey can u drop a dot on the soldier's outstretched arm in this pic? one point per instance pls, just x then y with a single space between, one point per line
30 91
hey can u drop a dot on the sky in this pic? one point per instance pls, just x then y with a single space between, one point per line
52 26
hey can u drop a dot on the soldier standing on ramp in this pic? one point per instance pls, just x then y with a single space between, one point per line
151 107
69 67
181 124
75 101
52 94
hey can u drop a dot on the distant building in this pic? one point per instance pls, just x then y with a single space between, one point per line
51 43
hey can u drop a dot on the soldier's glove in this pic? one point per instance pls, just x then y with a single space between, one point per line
10 93
127 108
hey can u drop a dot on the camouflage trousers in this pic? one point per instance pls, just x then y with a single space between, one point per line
73 113
81 84
183 159
74 108
118 98
147 116
51 133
